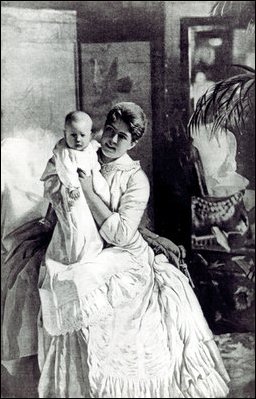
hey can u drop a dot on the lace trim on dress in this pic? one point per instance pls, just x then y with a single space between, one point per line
77 314
90 309
109 167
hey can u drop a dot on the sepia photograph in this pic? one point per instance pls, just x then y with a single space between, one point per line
127 199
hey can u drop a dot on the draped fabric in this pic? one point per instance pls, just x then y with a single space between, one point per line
218 154
20 301
123 322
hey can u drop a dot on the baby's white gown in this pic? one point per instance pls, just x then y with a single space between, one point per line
122 322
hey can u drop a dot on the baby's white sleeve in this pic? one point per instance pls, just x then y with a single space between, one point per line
66 168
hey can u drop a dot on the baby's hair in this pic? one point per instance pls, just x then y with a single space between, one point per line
131 114
77 116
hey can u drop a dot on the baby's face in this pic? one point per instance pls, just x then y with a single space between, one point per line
78 134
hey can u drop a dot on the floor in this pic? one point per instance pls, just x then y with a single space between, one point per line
238 353
237 350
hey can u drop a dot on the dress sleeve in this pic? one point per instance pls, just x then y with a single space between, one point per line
120 228
66 166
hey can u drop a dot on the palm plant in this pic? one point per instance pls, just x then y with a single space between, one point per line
239 10
230 103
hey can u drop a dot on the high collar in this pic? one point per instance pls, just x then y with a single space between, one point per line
125 162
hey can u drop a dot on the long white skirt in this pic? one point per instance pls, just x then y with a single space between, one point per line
140 334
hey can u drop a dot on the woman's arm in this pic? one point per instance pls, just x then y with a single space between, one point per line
120 226
99 209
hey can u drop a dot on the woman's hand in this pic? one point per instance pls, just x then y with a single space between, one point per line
174 253
169 249
178 250
85 181
98 208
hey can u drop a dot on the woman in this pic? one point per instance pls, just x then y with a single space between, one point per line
127 323
20 300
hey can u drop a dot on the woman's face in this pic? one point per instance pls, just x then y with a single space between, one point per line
116 140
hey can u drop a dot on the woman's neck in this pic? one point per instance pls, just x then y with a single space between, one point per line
105 159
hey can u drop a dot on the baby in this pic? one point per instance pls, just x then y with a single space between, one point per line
76 239
76 151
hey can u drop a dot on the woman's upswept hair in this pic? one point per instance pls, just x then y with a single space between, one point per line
131 114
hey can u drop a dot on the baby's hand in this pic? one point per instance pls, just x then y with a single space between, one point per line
74 194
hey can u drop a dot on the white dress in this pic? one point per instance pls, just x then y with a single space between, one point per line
68 160
125 324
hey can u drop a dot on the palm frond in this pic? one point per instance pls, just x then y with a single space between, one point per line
245 67
241 11
221 8
227 105
251 27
